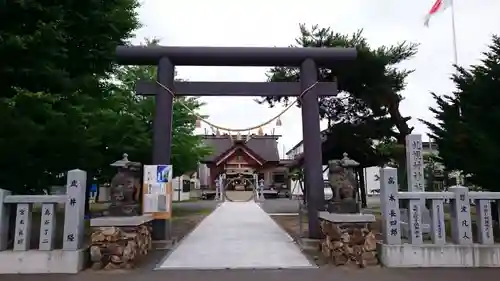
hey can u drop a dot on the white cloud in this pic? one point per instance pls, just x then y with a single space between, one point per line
275 23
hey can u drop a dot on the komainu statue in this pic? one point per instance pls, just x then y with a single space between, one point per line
125 189
344 185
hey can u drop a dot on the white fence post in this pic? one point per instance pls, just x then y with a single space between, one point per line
4 220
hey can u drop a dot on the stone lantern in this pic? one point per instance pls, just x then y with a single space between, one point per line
348 163
125 188
122 163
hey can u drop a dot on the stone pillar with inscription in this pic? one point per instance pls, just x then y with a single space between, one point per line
415 221
23 227
461 224
390 206
416 183
416 218
484 222
74 210
48 227
415 163
438 229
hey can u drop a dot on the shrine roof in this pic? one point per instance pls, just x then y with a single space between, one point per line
266 146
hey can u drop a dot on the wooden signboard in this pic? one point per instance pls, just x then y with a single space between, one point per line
157 191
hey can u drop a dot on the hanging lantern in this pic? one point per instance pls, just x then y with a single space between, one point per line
260 132
198 123
278 122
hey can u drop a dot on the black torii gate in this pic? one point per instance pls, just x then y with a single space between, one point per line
308 59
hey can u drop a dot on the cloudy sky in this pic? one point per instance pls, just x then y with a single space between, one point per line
275 23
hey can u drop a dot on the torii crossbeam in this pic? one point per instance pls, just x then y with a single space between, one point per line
308 59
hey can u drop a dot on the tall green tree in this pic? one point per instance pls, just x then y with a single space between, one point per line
55 55
188 149
60 46
466 130
370 91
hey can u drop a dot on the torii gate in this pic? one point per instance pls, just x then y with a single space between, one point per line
308 59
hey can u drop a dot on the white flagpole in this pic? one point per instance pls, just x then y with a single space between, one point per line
454 37
458 176
454 33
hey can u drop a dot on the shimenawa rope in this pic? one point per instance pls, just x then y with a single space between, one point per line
245 129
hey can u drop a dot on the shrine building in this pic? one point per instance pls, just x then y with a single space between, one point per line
239 156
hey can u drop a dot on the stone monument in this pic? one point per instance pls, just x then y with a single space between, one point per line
344 186
416 183
125 188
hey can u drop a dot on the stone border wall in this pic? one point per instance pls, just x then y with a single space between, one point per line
348 243
45 258
405 241
119 247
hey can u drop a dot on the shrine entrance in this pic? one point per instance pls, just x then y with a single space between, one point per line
307 91
239 188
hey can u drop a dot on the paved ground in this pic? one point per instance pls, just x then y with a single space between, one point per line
322 274
237 235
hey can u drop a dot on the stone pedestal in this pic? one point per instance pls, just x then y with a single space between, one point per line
119 242
348 239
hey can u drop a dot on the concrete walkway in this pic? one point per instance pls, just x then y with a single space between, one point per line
236 235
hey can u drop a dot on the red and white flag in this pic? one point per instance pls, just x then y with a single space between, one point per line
439 6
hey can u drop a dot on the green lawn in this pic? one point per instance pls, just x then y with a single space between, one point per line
178 212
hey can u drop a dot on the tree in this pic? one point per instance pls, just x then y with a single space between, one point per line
370 88
55 56
187 149
90 132
60 46
466 130
60 110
